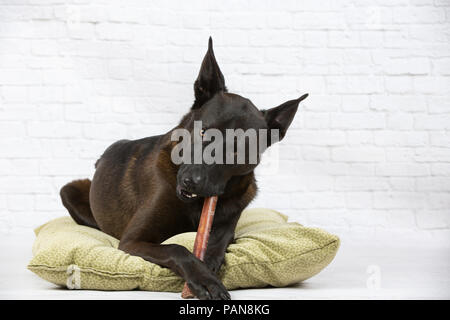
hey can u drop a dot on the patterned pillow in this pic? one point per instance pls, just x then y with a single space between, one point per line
267 251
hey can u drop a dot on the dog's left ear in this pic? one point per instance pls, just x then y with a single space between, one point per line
210 79
281 117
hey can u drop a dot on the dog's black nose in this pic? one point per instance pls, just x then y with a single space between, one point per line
191 182
187 182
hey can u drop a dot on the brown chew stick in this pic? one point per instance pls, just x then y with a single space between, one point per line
201 239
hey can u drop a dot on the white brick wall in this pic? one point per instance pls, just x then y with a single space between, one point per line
368 153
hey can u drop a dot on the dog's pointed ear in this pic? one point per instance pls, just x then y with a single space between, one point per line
281 117
210 79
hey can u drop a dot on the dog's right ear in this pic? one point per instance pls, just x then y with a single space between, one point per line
280 117
210 79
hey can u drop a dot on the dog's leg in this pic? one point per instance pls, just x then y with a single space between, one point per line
75 197
139 240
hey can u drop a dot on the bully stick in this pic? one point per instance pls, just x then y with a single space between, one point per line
201 239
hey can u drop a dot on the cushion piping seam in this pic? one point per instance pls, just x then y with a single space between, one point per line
142 275
83 269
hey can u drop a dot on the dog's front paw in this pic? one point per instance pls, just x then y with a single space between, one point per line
209 290
205 285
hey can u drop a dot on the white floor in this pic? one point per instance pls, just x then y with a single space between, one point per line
358 272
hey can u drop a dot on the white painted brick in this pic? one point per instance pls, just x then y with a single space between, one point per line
358 154
358 121
399 85
18 111
60 129
432 154
58 77
361 184
442 66
65 167
440 139
439 200
440 169
43 29
104 131
20 77
402 169
321 103
46 94
438 104
16 12
403 219
315 38
358 200
25 185
417 15
414 66
316 84
422 33
355 103
196 20
314 168
432 122
59 148
315 153
127 14
316 120
401 138
44 47
433 184
237 20
431 85
358 138
3 204
318 183
23 167
354 84
13 47
371 38
290 38
81 31
14 93
20 202
120 68
441 3
283 201
402 103
433 219
8 129
48 203
318 200
402 184
319 137
113 31
400 121
398 200
360 169
319 21
15 148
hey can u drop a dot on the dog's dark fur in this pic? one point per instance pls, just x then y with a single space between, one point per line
138 194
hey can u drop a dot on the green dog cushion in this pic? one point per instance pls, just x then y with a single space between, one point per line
267 251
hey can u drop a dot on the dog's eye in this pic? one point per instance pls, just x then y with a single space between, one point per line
202 132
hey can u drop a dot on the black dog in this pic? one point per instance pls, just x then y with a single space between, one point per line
140 196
